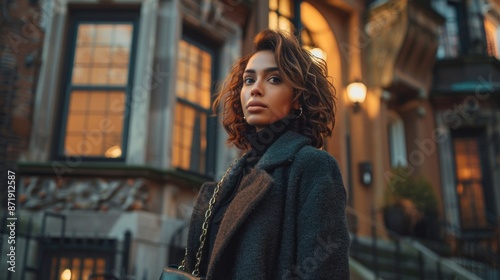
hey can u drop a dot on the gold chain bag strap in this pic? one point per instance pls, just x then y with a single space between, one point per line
181 272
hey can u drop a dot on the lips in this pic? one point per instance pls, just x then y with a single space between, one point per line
256 104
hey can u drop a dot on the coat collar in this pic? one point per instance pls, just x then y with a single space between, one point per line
283 150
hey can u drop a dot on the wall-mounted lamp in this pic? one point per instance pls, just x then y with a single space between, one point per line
319 53
365 172
356 92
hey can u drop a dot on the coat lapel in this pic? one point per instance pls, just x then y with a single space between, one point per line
252 190
201 206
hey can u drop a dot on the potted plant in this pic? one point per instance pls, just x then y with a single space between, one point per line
407 200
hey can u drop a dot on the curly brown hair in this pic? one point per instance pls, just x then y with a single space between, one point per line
306 74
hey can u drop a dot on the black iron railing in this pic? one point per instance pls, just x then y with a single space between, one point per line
400 257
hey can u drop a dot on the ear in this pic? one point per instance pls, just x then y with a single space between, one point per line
296 105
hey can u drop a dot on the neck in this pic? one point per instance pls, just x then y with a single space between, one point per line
261 140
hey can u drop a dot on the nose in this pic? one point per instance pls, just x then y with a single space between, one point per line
256 89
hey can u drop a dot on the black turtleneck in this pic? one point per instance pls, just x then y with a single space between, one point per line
259 141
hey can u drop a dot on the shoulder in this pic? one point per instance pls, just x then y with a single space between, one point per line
309 158
316 171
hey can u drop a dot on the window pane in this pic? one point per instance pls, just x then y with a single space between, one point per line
112 147
100 266
102 54
63 273
86 34
206 61
97 102
76 123
81 75
120 56
104 34
181 89
78 101
88 265
75 269
117 103
122 35
285 8
191 93
194 55
118 76
181 70
284 24
205 80
83 55
183 47
469 183
114 124
94 130
92 145
273 20
273 5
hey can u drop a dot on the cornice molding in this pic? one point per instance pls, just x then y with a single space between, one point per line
404 42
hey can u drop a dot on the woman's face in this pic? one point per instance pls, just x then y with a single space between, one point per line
265 97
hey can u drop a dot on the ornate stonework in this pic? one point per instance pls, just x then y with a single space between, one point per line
403 42
83 193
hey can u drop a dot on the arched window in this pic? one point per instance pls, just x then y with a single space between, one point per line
285 15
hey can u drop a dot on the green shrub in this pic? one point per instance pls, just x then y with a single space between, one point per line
417 190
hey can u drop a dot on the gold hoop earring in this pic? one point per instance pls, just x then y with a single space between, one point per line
300 113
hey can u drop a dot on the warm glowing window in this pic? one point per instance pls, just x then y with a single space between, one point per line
281 15
194 82
76 268
490 27
469 183
97 89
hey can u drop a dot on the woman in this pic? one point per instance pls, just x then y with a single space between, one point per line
280 212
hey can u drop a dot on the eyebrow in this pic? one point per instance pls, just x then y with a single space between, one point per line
266 70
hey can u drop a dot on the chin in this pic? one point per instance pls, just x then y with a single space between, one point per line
256 122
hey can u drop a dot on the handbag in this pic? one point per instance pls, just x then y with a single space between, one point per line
181 273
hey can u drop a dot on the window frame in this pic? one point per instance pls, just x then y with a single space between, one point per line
204 43
75 18
478 134
61 248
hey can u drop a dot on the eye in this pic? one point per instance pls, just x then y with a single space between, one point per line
247 80
274 80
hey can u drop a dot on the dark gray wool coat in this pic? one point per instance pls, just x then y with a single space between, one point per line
287 220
